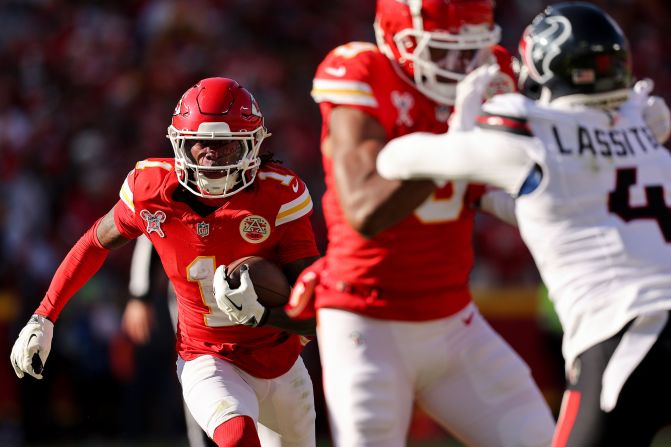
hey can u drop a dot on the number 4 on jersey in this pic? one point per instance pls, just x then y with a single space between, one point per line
655 208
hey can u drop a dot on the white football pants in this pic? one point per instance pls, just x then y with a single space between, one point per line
457 369
216 391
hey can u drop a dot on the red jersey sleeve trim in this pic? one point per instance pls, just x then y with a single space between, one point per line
343 92
295 209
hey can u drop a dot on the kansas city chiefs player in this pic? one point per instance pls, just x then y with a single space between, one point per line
393 302
216 201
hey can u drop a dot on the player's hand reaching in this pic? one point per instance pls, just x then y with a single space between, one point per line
301 304
655 111
470 95
241 305
32 347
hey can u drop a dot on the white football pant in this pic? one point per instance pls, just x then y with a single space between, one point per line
457 369
216 391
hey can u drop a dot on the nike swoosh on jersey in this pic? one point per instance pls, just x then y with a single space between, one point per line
234 305
295 187
337 72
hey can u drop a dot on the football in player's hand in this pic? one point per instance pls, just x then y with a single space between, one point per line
270 284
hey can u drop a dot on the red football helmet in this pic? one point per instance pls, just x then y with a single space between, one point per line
436 42
217 109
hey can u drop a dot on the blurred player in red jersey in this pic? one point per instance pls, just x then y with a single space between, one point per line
396 319
216 201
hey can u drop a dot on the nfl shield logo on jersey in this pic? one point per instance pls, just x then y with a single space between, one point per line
203 229
254 229
442 113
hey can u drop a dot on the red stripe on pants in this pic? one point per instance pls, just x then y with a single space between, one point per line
567 417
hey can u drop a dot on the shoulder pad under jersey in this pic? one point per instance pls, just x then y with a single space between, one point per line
346 74
507 113
291 192
145 180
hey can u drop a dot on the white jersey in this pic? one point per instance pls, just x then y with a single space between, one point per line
599 223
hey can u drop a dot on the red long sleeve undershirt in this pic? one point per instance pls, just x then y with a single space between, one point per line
81 263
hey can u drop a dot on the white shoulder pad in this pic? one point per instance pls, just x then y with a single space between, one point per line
510 104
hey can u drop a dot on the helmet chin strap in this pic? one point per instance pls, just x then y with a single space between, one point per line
443 92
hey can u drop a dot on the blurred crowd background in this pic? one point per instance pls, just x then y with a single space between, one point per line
88 87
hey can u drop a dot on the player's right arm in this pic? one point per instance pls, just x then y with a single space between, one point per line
32 347
108 234
344 86
370 203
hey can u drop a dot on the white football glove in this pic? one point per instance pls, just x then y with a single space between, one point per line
241 305
655 111
471 93
32 347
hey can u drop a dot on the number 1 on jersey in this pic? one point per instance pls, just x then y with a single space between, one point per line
201 270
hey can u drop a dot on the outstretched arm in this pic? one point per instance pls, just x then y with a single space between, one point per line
32 347
278 316
477 156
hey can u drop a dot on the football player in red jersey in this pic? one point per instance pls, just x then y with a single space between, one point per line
216 201
396 319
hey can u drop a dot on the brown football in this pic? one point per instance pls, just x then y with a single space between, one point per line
270 284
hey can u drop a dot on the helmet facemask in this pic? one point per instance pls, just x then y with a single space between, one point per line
231 171
216 132
436 43
441 59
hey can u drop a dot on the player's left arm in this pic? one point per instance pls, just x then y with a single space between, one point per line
500 204
296 250
277 317
243 307
477 156
478 148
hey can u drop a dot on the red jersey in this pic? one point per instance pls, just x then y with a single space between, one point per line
418 269
269 219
